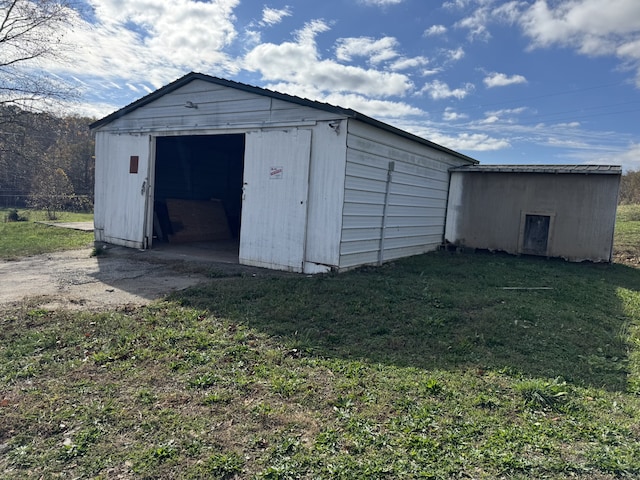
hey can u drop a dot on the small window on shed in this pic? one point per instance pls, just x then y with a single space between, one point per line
536 234
133 163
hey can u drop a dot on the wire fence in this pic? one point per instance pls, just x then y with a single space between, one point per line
68 203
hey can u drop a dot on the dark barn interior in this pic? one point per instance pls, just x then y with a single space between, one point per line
198 188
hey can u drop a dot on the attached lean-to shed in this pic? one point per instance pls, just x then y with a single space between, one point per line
565 211
300 185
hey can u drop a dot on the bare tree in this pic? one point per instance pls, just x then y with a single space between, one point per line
31 32
52 192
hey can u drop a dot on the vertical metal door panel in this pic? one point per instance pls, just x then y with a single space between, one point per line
124 195
274 206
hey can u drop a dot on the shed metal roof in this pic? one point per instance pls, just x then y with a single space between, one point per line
342 112
556 169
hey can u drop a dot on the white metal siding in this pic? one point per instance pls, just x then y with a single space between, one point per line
416 196
454 207
120 196
217 106
274 207
326 196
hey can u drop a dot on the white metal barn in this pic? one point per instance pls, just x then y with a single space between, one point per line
300 185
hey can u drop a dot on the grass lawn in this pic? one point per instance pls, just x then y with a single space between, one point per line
438 366
24 238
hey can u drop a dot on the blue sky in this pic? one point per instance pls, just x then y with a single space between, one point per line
534 81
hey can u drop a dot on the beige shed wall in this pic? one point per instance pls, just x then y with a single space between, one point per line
487 211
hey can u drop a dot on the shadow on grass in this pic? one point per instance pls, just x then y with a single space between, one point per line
448 311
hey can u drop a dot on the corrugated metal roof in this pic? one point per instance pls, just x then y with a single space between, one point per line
343 112
576 169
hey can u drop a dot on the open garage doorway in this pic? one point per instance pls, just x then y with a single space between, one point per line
198 193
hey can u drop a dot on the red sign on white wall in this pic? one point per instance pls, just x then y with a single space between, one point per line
275 173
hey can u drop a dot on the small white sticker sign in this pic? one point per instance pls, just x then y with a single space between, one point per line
275 173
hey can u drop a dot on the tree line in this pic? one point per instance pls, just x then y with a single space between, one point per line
46 161
630 188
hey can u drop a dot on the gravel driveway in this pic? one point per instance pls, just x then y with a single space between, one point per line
75 279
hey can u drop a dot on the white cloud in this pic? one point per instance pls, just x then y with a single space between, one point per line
251 37
478 142
307 34
627 156
629 159
592 27
113 85
567 143
287 57
434 30
380 109
405 63
430 71
439 90
91 110
589 24
299 62
490 119
376 50
574 144
629 50
477 23
434 132
507 111
502 80
509 12
272 16
381 3
456 4
504 117
455 55
152 39
450 115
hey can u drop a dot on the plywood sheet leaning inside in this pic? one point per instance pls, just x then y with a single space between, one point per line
197 221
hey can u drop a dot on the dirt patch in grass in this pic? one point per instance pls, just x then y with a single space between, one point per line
77 279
